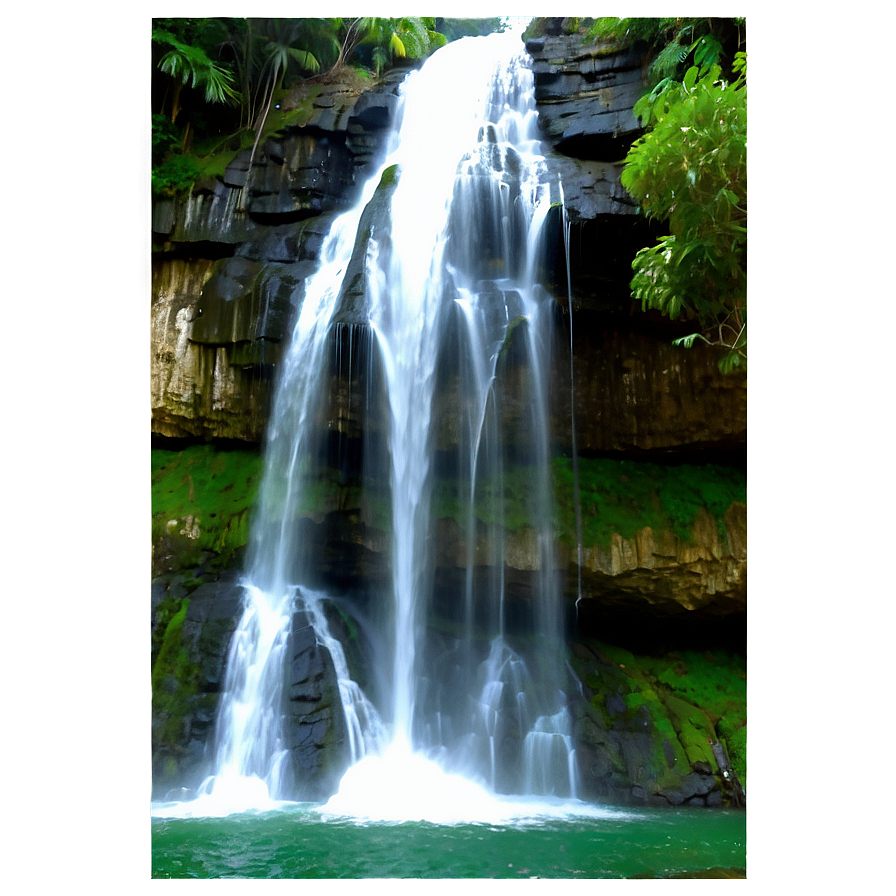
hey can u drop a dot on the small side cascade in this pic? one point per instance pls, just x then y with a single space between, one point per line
572 401
250 752
366 732
548 755
212 215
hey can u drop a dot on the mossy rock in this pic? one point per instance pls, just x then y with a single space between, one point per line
625 496
175 682
202 498
683 702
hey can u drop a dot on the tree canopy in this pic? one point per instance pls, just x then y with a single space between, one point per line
690 170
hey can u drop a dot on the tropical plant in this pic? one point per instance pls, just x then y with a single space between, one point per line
190 65
284 44
689 170
672 43
164 136
175 175
405 38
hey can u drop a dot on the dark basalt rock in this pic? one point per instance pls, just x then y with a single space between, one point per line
304 173
244 301
591 189
289 243
212 617
315 734
352 304
315 731
585 93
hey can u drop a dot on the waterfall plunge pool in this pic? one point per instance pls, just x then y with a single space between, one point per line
298 841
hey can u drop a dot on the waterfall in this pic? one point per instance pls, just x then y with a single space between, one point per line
572 403
455 307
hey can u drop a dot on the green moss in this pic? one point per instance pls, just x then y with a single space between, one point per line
617 497
624 496
733 732
175 682
175 175
510 334
202 498
691 698
167 610
298 117
389 176
716 682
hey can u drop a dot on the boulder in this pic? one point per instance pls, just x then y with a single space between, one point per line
315 733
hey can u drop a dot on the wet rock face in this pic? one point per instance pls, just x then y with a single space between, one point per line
585 93
637 394
201 388
184 715
231 259
316 735
645 745
184 718
219 323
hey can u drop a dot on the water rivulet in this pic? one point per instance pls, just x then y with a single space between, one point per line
430 288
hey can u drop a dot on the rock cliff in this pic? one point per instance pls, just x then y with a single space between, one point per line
232 256
229 264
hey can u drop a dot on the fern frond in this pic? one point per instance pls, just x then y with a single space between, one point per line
306 60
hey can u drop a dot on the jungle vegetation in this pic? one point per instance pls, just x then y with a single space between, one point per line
217 80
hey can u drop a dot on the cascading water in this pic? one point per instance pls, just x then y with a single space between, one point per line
455 307
249 737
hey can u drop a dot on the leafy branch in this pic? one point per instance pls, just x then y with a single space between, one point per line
689 170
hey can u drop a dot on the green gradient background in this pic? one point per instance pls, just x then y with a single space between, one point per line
75 371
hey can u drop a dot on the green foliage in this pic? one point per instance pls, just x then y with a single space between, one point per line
502 500
189 65
167 610
616 496
175 175
630 30
690 170
733 732
411 38
692 698
717 683
164 136
670 41
454 29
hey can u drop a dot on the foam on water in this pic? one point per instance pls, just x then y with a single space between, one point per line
401 785
232 795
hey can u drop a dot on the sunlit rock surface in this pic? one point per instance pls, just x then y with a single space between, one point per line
198 389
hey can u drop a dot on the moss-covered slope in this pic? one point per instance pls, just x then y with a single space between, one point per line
202 498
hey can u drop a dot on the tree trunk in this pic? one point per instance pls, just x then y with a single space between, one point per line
264 117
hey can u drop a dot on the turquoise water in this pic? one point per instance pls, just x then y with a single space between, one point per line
295 842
